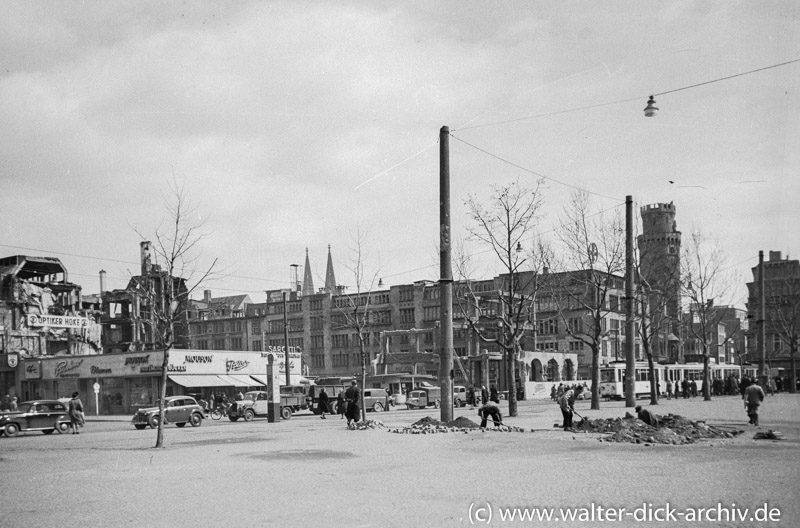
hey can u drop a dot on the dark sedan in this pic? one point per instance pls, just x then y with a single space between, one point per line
38 415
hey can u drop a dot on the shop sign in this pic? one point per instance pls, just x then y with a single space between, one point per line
60 321
198 359
236 365
97 371
68 368
137 361
13 360
33 370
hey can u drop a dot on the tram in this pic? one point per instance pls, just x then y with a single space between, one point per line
612 377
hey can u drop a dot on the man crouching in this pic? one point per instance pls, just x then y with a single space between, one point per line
490 408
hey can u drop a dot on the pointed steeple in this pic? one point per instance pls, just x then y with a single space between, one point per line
330 279
308 282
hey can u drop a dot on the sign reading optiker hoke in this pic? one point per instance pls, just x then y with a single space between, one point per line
60 321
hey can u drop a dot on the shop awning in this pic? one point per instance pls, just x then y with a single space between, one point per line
199 380
241 380
260 378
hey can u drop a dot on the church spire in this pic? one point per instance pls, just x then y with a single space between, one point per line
330 279
308 282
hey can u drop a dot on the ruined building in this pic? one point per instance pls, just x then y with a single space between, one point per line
134 318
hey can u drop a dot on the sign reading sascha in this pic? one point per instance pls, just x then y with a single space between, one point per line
60 321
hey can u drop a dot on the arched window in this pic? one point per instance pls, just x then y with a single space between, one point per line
536 370
553 372
569 370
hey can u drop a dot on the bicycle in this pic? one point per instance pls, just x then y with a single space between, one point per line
218 412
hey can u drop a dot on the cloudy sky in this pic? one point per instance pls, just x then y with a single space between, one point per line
295 125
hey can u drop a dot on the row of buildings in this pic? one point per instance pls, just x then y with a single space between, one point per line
55 340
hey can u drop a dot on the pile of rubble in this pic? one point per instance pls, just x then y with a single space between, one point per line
367 424
461 424
672 429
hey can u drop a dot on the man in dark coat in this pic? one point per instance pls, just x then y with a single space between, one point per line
322 403
493 394
753 396
353 397
646 416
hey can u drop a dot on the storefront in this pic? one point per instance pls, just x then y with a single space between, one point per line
8 377
131 380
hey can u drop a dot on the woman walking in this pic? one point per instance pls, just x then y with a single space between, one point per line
76 413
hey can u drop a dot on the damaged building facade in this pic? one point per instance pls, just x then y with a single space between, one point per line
42 314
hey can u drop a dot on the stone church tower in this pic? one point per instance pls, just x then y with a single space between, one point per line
659 257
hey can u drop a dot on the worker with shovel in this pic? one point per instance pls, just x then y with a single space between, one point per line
567 404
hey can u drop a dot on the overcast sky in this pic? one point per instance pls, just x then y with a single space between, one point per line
294 125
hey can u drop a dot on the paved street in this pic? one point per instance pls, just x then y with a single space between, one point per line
310 472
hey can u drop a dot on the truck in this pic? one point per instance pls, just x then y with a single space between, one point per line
424 396
294 398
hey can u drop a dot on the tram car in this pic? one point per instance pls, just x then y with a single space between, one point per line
612 377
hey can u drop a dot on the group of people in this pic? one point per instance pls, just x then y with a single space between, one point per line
347 404
9 403
557 392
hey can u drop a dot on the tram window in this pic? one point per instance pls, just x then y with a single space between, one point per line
607 376
642 375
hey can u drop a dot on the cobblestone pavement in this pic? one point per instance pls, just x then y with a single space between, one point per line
315 473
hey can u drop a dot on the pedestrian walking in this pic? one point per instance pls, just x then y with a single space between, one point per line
488 409
471 396
13 407
353 396
669 389
75 410
484 394
322 403
567 404
494 395
753 396
341 405
553 393
693 387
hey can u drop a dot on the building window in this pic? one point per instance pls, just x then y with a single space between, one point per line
317 341
257 345
202 345
256 328
318 361
275 327
406 294
575 325
341 360
315 304
339 341
219 344
548 327
406 315
316 323
431 313
236 343
295 325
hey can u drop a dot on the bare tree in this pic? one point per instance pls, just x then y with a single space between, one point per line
592 268
356 307
164 286
704 281
508 220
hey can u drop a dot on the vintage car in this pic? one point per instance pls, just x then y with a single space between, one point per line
179 410
376 400
294 398
38 415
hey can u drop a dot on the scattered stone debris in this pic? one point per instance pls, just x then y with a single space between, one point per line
367 424
461 424
673 429
769 435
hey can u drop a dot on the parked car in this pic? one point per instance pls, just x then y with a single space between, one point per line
37 415
459 396
376 400
179 410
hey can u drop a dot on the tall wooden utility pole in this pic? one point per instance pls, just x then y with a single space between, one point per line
762 324
630 325
286 341
446 279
